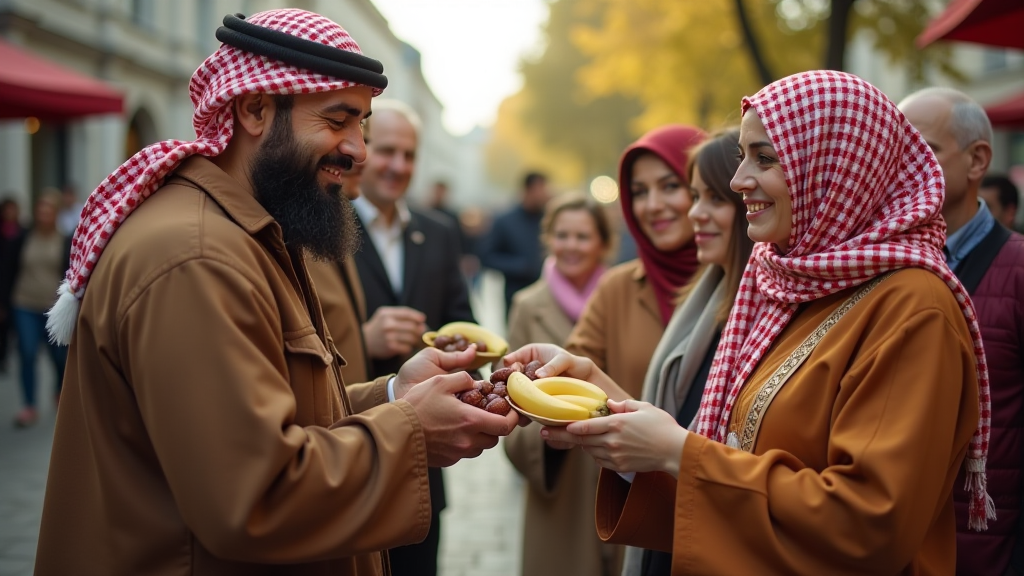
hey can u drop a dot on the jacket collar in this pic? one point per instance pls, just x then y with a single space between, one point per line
235 197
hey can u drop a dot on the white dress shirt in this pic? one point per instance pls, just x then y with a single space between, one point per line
386 238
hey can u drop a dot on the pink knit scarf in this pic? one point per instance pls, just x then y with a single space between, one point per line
569 298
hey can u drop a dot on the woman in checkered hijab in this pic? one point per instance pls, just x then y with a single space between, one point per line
849 386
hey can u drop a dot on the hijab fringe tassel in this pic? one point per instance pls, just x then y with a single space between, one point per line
976 486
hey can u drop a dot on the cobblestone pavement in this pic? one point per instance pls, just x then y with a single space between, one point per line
481 530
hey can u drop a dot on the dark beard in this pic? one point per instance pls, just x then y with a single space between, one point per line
314 219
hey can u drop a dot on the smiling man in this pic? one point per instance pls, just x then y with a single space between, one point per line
204 427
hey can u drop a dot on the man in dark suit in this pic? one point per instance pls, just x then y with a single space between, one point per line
409 269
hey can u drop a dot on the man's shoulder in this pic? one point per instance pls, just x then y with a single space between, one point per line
177 223
429 218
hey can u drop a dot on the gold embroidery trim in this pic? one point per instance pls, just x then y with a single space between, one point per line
783 373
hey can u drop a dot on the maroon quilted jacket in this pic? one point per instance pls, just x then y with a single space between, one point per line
999 300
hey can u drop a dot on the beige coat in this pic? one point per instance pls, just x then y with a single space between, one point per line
344 308
203 427
536 318
852 467
619 329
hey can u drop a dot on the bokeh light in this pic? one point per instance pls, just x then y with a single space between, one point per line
31 124
604 189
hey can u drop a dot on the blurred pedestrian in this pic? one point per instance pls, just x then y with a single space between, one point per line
408 264
989 261
10 233
846 390
1002 198
204 428
557 533
70 210
42 256
512 246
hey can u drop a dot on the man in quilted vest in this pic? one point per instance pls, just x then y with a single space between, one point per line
989 260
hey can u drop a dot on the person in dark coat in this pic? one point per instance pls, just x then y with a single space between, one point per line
989 261
10 231
409 269
513 245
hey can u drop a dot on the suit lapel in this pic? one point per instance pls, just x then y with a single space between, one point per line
370 257
414 244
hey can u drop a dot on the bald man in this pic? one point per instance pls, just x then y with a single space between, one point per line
989 260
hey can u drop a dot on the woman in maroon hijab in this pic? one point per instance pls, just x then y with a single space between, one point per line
619 330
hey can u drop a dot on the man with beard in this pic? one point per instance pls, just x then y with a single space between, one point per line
409 267
341 295
204 428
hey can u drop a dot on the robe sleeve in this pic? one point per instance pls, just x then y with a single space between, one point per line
900 426
636 514
210 381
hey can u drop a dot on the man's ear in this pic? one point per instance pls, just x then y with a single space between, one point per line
254 113
981 157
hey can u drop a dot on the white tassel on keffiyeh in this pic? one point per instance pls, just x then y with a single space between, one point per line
61 319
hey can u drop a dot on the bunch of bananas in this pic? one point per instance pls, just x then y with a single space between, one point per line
558 397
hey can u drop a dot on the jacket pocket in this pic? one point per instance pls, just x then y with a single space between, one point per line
311 345
310 371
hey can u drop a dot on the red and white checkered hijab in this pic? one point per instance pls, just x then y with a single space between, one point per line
228 73
867 194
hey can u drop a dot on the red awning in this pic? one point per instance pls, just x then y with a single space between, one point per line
1009 113
992 22
34 86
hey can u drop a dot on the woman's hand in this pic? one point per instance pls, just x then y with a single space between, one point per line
558 362
636 437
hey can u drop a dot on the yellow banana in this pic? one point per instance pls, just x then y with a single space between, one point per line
596 407
561 385
475 333
530 398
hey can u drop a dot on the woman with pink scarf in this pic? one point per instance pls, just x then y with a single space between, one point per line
850 384
578 235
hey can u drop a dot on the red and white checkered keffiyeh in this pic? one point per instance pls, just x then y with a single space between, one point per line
867 194
228 73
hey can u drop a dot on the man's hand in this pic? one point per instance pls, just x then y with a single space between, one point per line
455 430
558 362
430 362
393 331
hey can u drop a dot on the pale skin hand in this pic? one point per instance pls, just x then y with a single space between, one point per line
393 331
559 362
453 430
636 437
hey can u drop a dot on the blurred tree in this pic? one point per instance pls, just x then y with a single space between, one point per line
693 61
554 123
514 149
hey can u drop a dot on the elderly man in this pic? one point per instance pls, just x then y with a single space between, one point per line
204 427
409 267
989 260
